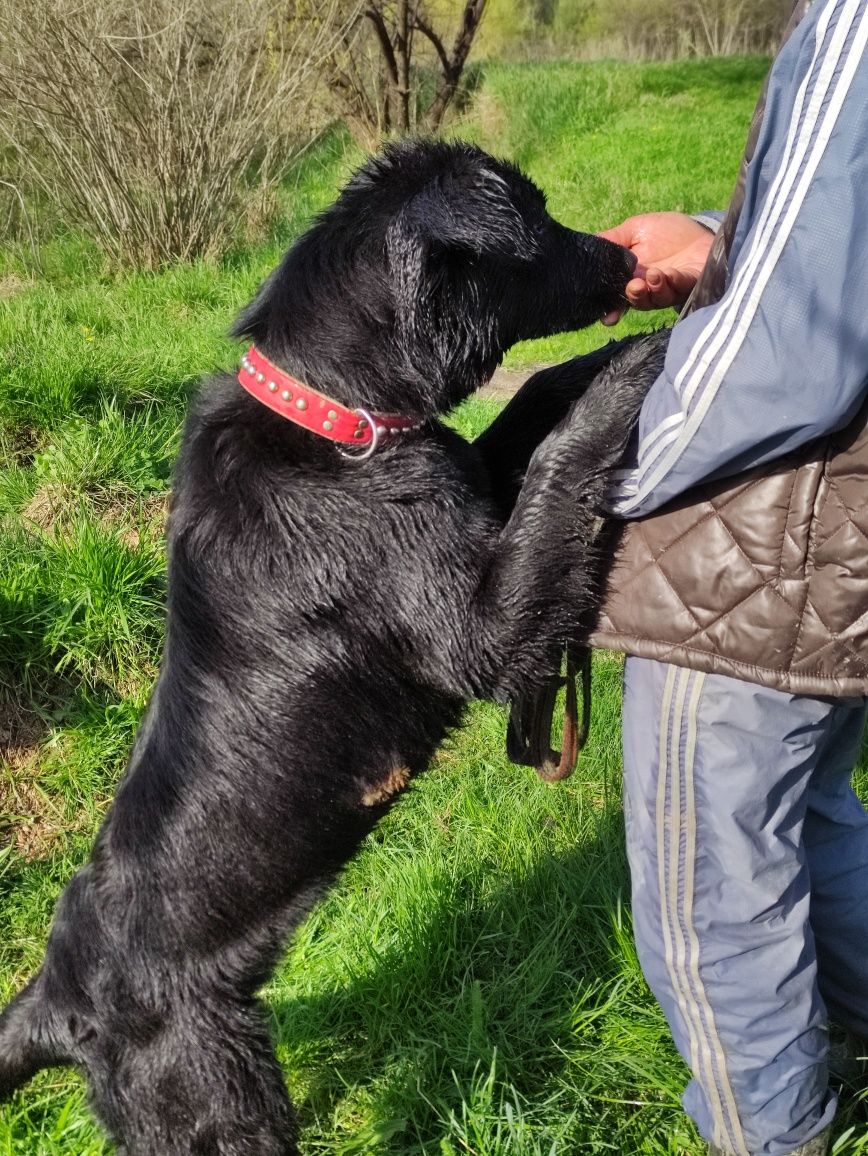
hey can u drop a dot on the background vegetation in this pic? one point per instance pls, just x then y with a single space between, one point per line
631 29
160 127
471 986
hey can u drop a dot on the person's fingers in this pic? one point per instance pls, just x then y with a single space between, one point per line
661 288
638 294
672 289
645 296
681 282
661 291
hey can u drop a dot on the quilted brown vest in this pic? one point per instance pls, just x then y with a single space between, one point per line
763 577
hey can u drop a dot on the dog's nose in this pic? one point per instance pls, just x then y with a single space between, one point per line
622 261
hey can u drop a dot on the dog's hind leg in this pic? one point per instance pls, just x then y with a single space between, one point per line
206 1083
51 1021
27 1043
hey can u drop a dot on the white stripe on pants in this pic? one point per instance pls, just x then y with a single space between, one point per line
741 817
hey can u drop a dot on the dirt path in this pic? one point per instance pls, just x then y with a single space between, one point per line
505 382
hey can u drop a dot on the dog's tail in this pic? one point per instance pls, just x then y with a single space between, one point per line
29 1039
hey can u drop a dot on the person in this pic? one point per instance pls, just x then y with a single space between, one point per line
740 596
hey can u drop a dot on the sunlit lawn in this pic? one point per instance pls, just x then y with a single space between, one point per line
471 985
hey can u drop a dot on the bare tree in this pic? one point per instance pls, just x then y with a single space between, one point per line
382 70
150 122
720 27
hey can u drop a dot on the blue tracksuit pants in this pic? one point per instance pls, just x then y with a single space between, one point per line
749 857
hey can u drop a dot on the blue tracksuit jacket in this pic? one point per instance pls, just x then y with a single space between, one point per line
783 356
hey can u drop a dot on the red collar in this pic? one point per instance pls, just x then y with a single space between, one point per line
317 413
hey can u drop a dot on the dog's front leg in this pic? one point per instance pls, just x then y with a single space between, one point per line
544 400
543 586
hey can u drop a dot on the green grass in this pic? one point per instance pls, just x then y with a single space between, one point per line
607 141
470 986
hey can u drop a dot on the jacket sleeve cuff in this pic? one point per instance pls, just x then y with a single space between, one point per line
711 219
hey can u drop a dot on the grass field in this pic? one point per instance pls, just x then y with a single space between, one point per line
471 986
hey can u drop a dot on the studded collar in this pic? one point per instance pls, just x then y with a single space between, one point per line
314 411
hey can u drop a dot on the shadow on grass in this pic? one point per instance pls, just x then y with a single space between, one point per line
520 982
540 984
524 971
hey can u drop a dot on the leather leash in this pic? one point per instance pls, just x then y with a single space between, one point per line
528 733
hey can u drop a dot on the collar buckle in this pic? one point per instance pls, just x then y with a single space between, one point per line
370 448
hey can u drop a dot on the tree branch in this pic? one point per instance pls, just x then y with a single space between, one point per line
402 44
426 30
376 18
471 18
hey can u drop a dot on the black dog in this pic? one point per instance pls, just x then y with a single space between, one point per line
327 620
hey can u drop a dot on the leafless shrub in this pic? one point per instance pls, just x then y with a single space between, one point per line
16 222
151 121
399 64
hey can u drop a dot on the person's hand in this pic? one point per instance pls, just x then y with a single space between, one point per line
671 249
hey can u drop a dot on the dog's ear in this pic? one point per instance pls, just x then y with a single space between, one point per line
253 321
471 211
470 214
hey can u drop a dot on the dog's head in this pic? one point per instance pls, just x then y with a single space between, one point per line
434 260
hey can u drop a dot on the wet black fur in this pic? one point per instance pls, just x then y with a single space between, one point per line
327 621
